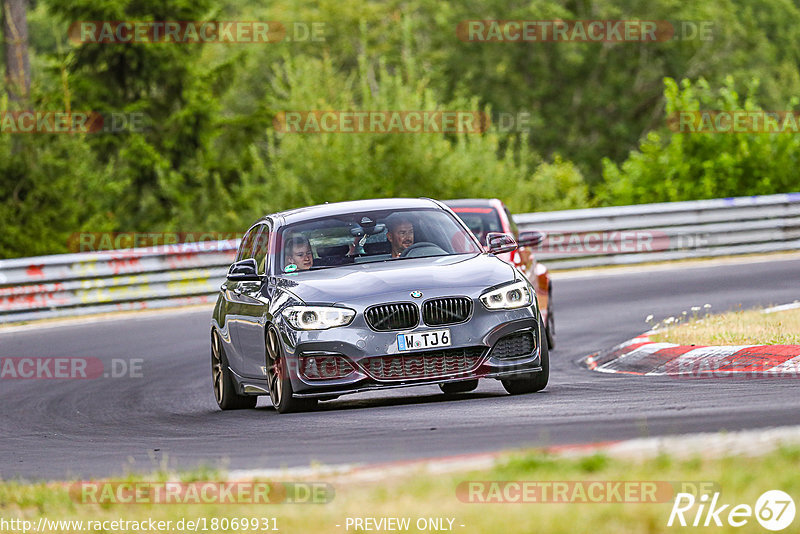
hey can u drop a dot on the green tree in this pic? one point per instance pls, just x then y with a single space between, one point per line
687 166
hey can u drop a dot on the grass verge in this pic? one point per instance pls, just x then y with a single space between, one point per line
419 495
751 327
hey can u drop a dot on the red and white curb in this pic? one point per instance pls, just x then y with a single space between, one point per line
641 356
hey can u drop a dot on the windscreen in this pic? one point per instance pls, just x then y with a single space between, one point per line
374 236
480 220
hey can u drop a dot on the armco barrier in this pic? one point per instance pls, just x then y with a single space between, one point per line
76 284
667 231
174 275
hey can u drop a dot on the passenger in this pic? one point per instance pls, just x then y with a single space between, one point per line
298 252
399 233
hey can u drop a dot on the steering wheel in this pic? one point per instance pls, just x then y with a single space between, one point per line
417 246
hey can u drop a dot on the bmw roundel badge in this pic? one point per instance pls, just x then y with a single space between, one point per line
416 294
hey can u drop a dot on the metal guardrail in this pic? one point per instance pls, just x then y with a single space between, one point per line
190 273
93 282
626 235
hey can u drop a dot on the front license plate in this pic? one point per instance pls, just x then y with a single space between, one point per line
423 340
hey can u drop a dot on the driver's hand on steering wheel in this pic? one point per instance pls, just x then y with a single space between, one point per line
354 246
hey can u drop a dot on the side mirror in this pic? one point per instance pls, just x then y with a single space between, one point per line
532 238
499 242
244 271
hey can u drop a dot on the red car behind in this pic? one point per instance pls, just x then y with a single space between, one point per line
491 215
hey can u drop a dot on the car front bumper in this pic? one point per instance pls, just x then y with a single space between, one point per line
479 349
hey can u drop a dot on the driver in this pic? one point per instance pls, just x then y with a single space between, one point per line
298 252
399 233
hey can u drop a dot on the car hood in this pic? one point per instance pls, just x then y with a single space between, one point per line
368 282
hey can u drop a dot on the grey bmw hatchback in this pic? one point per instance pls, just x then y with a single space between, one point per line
371 294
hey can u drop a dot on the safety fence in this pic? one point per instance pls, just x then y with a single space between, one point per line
626 235
93 282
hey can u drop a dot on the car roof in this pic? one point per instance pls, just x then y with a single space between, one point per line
340 208
474 202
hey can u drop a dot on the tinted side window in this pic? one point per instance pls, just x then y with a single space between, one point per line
246 247
260 247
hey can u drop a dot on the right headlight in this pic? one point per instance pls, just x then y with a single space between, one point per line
317 317
509 297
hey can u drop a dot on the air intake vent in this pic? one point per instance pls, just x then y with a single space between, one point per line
451 310
427 364
388 317
514 346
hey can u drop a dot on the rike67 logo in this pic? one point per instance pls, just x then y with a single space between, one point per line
774 510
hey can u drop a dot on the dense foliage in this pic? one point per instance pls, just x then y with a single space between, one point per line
704 165
209 157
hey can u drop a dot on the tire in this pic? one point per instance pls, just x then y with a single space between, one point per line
451 388
550 330
224 385
531 382
279 381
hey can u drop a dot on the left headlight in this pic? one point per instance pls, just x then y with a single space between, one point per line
317 317
515 295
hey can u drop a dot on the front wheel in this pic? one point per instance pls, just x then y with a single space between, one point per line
224 386
279 382
531 382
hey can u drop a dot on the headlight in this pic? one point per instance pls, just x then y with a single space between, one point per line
516 295
317 317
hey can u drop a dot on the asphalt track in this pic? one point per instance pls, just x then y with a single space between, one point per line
54 429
